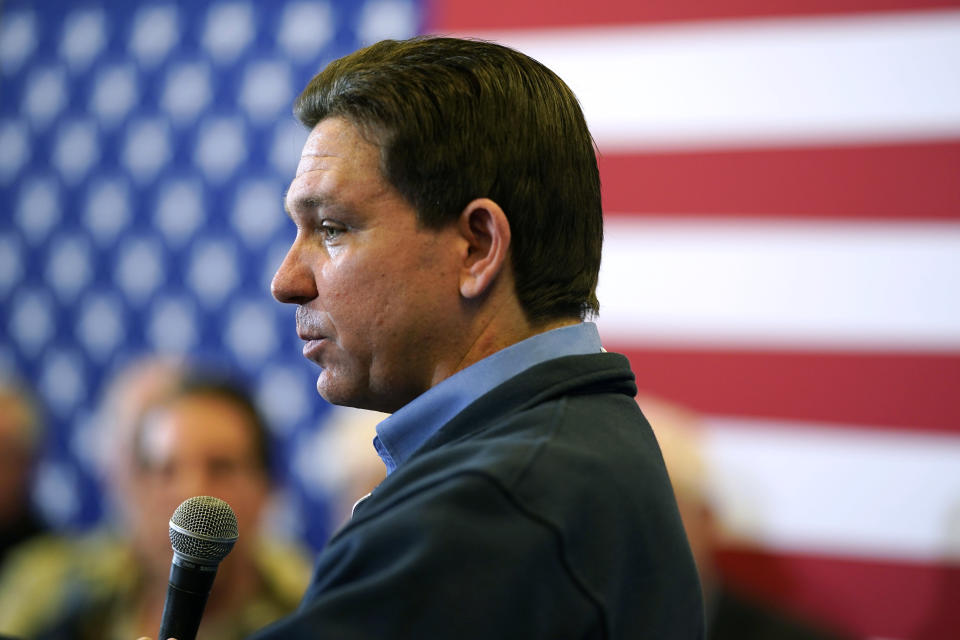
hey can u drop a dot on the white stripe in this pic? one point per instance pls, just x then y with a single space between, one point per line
762 284
760 81
812 488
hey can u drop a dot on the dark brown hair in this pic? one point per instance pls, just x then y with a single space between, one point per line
459 119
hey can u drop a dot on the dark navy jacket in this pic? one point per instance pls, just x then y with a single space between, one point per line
543 510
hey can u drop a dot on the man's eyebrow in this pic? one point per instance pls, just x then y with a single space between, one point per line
305 202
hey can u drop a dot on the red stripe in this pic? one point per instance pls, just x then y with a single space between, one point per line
908 181
916 391
463 15
862 598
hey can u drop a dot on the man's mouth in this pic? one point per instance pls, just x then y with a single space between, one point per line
312 347
312 334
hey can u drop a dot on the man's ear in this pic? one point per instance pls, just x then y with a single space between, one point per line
485 227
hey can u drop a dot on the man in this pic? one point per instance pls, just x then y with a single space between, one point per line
731 612
20 435
447 205
197 435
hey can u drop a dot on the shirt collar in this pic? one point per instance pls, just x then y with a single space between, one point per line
402 433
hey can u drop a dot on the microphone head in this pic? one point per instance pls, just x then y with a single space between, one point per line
203 530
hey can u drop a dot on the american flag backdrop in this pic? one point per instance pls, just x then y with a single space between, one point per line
782 196
144 151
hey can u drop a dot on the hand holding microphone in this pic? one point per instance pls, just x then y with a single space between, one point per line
203 530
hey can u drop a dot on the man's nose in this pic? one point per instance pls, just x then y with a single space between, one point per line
293 282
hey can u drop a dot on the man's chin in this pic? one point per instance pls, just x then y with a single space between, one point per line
354 398
335 392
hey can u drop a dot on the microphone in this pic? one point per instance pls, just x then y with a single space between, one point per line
203 530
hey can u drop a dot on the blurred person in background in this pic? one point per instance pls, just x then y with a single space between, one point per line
194 434
20 435
132 392
730 614
348 467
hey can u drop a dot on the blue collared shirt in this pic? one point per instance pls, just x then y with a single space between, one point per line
402 433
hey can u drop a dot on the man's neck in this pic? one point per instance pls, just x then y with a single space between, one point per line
501 327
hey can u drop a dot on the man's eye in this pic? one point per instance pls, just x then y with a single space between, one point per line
331 231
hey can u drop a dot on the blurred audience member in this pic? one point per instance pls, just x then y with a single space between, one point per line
348 467
133 391
20 431
191 435
730 615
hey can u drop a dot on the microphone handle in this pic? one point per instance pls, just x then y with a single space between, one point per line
187 594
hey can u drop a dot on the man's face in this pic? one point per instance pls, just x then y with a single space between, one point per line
16 452
199 445
378 295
